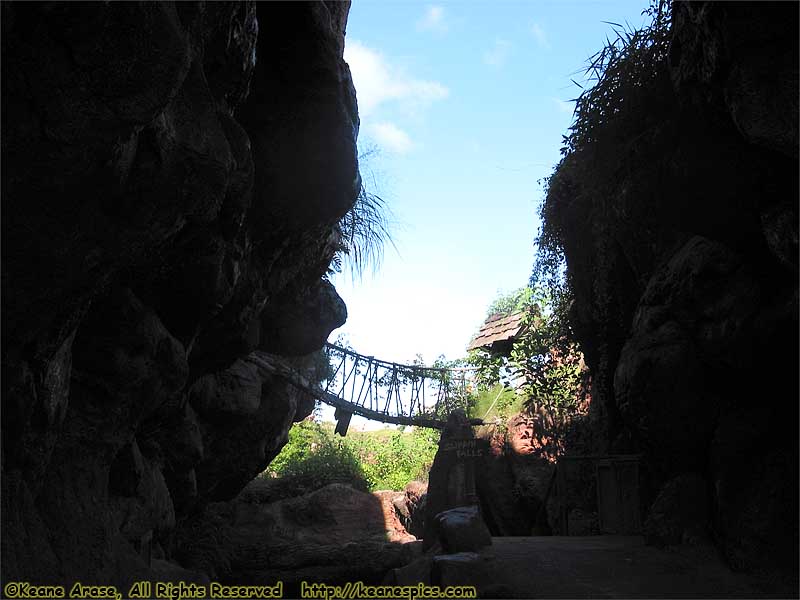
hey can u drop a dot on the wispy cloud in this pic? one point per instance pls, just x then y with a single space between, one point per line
540 35
498 54
391 137
433 20
378 82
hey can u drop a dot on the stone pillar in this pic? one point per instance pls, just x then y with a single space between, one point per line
451 483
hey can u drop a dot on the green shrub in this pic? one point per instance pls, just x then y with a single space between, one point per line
495 401
372 460
392 458
544 366
544 363
314 458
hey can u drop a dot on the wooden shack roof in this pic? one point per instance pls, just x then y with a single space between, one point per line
497 329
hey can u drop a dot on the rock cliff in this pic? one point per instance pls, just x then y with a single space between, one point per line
174 173
678 220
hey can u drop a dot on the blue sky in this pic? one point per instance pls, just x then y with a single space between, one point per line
466 104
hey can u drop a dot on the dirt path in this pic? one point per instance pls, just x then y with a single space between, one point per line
617 567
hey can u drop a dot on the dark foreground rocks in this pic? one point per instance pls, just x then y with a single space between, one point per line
173 178
679 224
333 535
514 478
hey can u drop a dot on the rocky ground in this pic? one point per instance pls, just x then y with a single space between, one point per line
621 567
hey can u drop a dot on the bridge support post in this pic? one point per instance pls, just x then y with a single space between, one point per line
342 421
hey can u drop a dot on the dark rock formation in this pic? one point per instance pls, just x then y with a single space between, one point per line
679 225
334 534
514 478
173 178
410 508
680 513
395 515
452 478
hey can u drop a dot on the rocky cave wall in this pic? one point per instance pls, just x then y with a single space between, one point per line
684 264
173 175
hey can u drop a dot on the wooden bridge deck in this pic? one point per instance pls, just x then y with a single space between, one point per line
379 390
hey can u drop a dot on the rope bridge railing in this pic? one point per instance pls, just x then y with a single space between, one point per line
394 392
380 390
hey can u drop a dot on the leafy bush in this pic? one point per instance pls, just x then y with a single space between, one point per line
548 360
385 459
544 363
495 401
393 458
314 458
508 304
544 366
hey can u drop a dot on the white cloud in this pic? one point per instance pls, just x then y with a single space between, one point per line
432 20
391 137
540 35
378 82
498 54
440 321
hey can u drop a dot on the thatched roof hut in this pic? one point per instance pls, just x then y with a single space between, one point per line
498 333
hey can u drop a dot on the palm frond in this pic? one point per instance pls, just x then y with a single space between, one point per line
365 231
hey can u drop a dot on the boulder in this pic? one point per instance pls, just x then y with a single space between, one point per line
462 530
414 573
412 513
752 55
237 449
452 481
335 513
298 324
680 513
514 478
236 391
143 509
395 529
333 534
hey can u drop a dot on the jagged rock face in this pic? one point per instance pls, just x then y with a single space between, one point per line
292 324
173 176
748 59
335 533
514 479
686 281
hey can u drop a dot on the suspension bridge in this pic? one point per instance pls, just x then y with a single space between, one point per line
379 390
